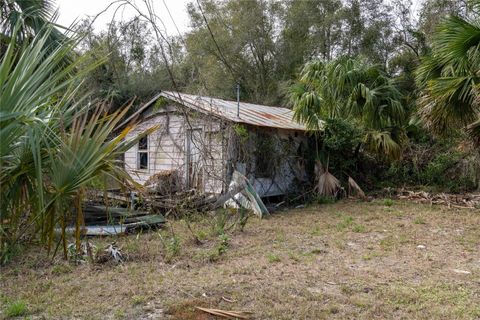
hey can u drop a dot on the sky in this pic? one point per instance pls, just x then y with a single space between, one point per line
74 10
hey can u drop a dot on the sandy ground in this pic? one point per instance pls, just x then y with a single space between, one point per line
348 260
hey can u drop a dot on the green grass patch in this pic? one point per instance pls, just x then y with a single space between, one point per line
359 228
419 220
346 222
16 309
388 202
273 258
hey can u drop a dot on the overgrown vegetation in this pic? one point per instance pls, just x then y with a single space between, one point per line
336 258
54 143
392 100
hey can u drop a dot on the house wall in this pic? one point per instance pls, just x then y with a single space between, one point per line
283 151
217 150
167 149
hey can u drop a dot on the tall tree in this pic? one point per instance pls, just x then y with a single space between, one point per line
233 42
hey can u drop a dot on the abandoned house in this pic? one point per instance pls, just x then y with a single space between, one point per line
203 140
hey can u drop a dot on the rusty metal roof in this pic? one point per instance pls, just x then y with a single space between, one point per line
253 114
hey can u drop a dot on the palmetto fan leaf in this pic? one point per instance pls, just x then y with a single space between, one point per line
383 143
32 15
450 76
349 89
456 40
53 142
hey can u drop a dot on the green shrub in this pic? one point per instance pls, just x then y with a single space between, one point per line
388 202
339 142
446 170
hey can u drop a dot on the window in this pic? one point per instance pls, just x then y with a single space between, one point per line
142 157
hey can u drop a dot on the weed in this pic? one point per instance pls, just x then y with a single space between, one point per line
16 309
387 243
339 243
388 202
204 256
358 228
316 231
242 218
120 314
172 247
138 300
273 258
371 256
223 245
419 220
242 132
317 251
220 222
333 309
202 235
347 290
347 221
293 256
132 246
61 269
280 237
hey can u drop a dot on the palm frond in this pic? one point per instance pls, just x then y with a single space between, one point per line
328 185
449 77
381 142
354 188
473 131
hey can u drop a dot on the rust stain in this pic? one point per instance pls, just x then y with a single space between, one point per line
254 114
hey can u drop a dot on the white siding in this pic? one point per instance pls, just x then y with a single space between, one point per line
166 149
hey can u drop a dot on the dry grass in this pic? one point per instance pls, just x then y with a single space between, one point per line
344 260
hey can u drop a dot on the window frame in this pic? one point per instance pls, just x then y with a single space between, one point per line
142 149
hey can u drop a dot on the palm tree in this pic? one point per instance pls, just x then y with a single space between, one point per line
353 90
449 78
53 143
31 17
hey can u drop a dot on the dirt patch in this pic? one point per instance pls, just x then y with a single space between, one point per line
343 260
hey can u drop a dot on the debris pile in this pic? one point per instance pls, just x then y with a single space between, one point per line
165 182
468 200
180 202
104 220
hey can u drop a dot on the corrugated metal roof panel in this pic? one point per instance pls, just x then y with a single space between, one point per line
254 114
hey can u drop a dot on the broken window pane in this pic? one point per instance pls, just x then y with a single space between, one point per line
143 160
143 143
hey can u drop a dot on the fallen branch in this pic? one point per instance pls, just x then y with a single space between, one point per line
226 314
